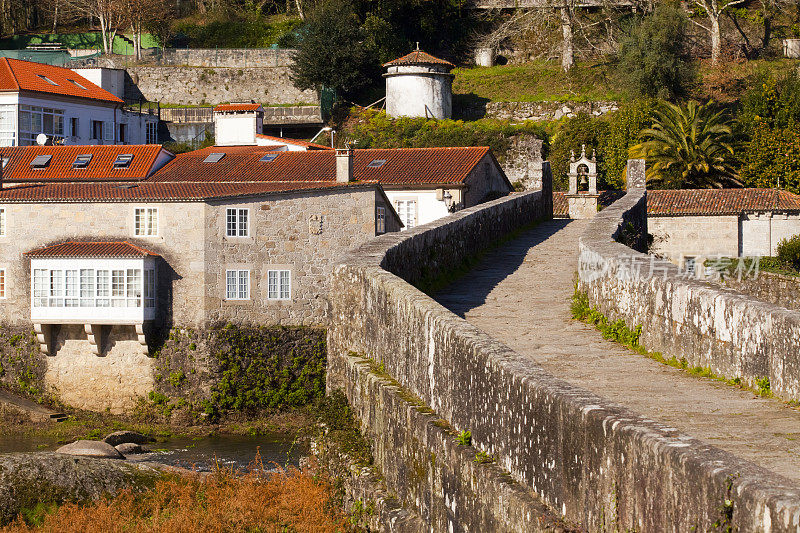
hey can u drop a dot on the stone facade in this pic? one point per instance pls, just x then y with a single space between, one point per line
302 232
590 460
205 85
523 162
675 238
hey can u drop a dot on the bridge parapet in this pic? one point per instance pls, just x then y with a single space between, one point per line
591 461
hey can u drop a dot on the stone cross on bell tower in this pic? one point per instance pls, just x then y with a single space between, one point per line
582 196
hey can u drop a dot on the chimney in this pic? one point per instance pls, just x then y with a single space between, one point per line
344 163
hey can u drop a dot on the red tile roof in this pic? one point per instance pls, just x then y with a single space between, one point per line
700 202
117 249
403 167
296 142
100 167
418 57
237 107
157 192
17 75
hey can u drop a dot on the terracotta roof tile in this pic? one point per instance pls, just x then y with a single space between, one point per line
100 167
237 107
297 142
17 75
703 202
402 167
116 249
165 192
418 57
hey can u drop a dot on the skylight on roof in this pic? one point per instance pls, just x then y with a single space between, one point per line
123 160
6 160
376 163
48 80
78 84
82 161
269 158
213 158
41 161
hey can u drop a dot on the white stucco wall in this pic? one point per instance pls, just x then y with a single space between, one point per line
234 130
762 232
110 79
428 207
419 92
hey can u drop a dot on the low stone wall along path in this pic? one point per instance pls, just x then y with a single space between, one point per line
520 294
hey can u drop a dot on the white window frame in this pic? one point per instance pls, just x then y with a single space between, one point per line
404 212
151 132
150 226
276 289
239 225
380 220
240 289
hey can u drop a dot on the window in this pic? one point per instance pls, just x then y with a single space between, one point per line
2 282
87 287
48 80
2 222
41 161
149 288
407 210
82 161
117 288
376 163
40 287
123 160
237 284
56 288
145 222
77 84
8 125
269 158
279 284
34 120
133 286
108 132
71 288
123 129
151 133
380 220
97 130
213 158
690 264
103 288
237 222
74 127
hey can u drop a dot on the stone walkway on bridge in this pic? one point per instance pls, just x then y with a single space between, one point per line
520 295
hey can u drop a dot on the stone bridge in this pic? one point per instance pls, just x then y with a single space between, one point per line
569 431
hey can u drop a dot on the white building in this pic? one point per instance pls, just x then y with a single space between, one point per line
37 98
419 85
242 124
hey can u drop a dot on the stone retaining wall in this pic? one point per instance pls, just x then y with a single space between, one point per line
536 111
774 288
596 463
733 334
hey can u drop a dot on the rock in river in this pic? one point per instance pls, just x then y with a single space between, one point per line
119 437
129 448
91 448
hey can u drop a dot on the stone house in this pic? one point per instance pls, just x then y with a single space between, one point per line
66 107
691 225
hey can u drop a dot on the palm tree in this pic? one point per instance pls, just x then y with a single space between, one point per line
689 147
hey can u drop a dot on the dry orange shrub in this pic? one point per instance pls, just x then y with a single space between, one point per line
288 500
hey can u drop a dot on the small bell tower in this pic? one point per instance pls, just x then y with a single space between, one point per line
582 196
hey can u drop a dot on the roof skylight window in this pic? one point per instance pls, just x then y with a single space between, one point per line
269 158
5 161
82 161
48 80
213 158
78 84
41 161
376 163
123 160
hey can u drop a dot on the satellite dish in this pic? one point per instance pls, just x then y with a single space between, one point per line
41 139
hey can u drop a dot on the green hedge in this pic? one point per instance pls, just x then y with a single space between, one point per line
772 158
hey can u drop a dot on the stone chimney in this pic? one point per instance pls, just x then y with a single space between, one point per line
344 163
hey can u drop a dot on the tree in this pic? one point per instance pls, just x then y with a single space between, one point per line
653 58
713 10
766 15
332 52
693 146
110 14
139 14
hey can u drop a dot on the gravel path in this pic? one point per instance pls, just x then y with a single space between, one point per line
520 295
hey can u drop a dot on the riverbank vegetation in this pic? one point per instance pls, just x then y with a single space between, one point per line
284 500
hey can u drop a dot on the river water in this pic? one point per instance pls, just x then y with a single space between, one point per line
231 451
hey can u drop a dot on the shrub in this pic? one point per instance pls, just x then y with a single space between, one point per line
772 158
254 32
772 101
653 57
570 134
789 251
623 132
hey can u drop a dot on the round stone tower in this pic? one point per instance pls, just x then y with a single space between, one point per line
419 85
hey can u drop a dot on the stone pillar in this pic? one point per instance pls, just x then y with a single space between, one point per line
142 338
635 174
94 334
484 57
44 334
